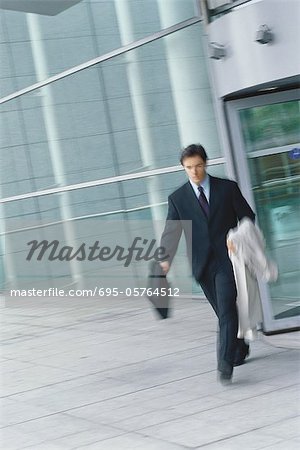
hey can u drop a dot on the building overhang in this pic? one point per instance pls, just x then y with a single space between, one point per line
43 7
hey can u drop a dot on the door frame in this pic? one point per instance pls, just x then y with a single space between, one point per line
239 161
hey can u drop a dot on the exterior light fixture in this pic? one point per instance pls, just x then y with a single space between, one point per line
216 51
264 35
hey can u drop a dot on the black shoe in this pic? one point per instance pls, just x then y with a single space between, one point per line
225 371
225 378
242 352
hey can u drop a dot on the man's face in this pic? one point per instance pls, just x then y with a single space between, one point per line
195 168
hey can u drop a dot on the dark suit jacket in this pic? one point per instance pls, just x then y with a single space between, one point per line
204 236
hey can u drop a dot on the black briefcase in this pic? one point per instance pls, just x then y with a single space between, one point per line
158 290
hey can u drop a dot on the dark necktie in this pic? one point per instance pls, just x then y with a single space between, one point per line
203 201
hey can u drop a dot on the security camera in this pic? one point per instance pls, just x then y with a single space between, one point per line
264 35
216 51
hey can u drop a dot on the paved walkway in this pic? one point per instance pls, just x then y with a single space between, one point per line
106 375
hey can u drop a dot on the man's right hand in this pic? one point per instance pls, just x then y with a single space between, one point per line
231 246
165 265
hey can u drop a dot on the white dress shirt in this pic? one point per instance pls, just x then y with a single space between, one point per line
205 185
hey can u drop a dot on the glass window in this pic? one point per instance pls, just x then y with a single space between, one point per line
270 125
111 214
130 114
67 34
271 135
276 190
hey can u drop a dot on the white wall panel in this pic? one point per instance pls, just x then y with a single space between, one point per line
249 63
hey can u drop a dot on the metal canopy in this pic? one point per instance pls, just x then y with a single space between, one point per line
43 7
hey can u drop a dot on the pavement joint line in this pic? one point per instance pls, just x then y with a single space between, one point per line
100 372
183 447
12 311
65 411
134 311
79 432
215 395
77 322
180 447
218 406
69 435
139 431
53 329
117 368
73 327
107 399
177 352
34 364
152 411
128 393
271 446
246 432
267 388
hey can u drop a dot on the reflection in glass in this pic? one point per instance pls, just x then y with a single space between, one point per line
104 213
130 114
270 126
276 188
70 33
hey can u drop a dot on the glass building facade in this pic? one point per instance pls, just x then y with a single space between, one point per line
97 97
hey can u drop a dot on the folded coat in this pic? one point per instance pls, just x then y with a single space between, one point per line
250 264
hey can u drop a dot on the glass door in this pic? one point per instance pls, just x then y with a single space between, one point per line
265 133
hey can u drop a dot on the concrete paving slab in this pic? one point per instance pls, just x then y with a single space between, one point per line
115 378
132 441
253 440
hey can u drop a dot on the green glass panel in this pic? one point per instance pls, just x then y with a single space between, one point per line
276 185
271 126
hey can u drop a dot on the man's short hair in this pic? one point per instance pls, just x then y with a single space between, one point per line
193 150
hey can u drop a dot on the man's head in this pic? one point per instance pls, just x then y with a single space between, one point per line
193 158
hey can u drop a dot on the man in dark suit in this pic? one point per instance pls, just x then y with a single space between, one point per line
214 206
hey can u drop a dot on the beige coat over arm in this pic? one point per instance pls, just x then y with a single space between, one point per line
250 264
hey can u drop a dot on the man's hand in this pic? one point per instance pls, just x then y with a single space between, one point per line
231 246
165 266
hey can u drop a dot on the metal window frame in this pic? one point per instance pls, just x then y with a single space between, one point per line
215 13
104 181
103 58
107 56
87 216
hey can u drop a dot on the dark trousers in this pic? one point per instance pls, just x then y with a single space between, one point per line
218 284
